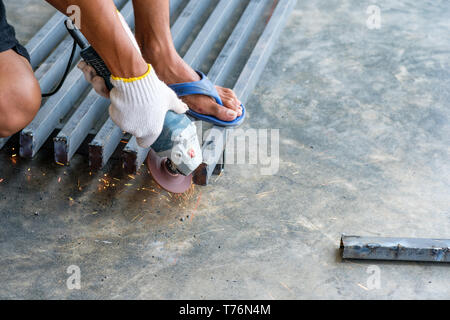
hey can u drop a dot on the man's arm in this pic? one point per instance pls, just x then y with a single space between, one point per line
101 26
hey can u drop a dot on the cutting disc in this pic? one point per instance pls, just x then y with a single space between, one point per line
175 183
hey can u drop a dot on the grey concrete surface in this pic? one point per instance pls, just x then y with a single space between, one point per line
364 149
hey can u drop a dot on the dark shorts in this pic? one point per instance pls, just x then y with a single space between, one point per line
8 36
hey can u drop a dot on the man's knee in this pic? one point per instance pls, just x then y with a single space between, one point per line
18 106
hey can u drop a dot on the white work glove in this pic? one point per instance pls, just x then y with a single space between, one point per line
138 105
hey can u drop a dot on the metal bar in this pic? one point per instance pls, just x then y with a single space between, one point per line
186 21
104 144
36 133
399 249
215 140
205 40
261 53
133 155
108 138
70 138
3 141
49 73
237 41
78 126
51 70
174 4
48 37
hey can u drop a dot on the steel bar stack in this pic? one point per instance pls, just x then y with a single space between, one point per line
85 110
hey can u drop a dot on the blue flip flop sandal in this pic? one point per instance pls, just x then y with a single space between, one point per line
205 87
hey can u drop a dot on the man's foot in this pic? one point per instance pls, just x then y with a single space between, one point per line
177 71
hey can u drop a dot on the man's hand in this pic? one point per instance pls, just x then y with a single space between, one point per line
139 106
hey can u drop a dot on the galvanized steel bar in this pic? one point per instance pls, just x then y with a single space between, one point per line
48 37
3 141
399 249
215 142
104 144
36 133
174 4
187 20
237 41
212 29
70 138
261 53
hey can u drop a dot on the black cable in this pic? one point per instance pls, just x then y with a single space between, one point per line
66 73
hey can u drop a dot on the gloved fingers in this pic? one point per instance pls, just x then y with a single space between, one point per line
148 140
176 104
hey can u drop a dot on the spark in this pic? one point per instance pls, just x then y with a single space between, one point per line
360 285
59 164
196 206
263 194
59 179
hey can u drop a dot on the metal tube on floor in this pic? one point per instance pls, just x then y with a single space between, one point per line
398 249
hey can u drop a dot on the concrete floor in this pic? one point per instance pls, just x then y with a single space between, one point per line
364 149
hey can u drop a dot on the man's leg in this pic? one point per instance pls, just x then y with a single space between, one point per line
101 26
20 94
154 38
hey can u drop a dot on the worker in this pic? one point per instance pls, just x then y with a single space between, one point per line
141 71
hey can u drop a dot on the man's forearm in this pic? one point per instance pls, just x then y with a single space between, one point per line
100 24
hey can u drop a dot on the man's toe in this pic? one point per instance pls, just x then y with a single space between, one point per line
223 113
